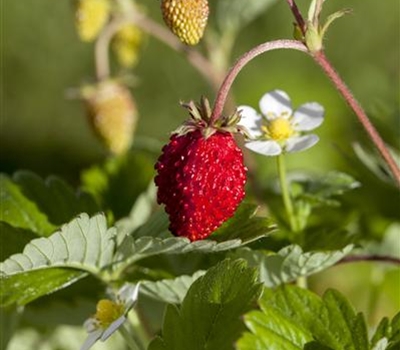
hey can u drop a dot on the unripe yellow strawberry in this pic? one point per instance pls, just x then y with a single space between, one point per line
187 19
126 45
112 114
90 17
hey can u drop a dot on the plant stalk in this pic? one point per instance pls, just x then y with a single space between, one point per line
287 201
327 67
241 62
373 134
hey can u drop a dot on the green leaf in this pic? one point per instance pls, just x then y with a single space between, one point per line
306 321
289 263
245 225
155 226
209 317
170 291
132 250
119 181
84 244
19 211
13 240
232 15
25 287
347 326
140 212
54 197
320 190
387 334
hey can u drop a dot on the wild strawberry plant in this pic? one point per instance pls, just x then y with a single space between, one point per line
188 246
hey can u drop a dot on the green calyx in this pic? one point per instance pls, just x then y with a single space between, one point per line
315 30
200 119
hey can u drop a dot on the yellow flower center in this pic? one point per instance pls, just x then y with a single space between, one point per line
107 311
279 129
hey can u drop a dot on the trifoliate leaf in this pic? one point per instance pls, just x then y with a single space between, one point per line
289 263
19 211
298 318
170 291
209 317
83 245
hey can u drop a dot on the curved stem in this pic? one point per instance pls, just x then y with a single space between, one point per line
360 258
327 67
373 134
198 61
148 25
241 62
101 50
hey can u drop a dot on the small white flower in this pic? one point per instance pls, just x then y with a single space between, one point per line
279 130
110 315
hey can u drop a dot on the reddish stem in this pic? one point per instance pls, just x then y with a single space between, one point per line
322 60
297 15
361 258
373 134
241 62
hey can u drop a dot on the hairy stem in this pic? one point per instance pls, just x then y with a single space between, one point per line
373 134
241 62
327 67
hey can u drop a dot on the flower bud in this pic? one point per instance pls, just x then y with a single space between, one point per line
126 45
112 113
90 17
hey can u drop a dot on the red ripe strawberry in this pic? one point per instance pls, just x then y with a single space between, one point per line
201 176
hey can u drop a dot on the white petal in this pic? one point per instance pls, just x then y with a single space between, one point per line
112 328
308 117
266 148
91 324
91 339
128 294
297 144
276 104
251 120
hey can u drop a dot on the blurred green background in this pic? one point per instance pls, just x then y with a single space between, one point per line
42 56
44 131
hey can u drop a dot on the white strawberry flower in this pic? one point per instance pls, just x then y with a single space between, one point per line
279 129
110 315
